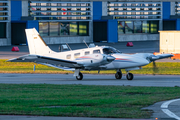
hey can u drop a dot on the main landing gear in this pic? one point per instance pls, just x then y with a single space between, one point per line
129 76
118 75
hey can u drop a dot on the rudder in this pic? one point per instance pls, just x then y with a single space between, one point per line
35 43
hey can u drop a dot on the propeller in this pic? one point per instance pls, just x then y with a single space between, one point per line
110 58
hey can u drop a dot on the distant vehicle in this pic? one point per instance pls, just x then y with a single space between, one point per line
91 58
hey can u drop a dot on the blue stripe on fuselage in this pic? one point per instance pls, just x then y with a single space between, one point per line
124 61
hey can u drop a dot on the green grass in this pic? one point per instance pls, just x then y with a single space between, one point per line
170 68
81 100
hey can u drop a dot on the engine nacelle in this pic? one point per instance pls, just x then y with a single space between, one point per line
94 60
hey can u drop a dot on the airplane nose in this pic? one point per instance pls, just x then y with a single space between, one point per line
110 58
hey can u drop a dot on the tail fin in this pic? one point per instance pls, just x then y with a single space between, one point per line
35 43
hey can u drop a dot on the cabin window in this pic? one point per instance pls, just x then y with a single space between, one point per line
76 55
87 53
96 51
68 57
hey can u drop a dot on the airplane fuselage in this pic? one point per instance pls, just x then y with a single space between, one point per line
122 61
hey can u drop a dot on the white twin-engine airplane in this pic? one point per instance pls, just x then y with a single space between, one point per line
94 58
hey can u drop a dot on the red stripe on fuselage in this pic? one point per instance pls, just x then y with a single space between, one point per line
122 59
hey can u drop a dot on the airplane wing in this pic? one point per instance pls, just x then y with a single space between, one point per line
47 61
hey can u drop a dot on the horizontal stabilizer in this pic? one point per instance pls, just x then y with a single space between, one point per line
24 58
161 56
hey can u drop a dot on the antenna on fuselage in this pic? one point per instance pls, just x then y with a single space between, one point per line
68 46
86 43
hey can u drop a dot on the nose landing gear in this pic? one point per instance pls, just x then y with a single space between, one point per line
118 74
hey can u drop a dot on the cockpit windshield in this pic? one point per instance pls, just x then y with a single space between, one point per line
110 50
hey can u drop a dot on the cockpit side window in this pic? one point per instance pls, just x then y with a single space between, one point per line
110 51
96 51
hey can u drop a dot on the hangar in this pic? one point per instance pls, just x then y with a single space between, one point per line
72 21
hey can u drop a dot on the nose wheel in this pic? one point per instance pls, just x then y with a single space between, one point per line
80 76
129 76
118 75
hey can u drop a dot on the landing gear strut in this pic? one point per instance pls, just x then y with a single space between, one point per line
118 74
80 76
129 76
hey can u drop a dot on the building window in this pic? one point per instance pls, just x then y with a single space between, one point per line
83 28
128 27
53 31
137 27
121 27
3 4
64 28
2 30
154 26
60 10
73 28
43 29
4 11
177 8
145 27
126 10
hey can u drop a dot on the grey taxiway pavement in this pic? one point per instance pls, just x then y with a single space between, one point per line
91 79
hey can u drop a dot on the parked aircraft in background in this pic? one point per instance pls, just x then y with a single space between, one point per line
91 58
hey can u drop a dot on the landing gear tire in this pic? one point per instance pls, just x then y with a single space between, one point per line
129 76
80 76
118 75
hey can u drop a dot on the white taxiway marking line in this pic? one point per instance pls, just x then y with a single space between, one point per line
168 112
165 104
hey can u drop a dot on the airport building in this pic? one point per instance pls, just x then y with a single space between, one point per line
75 21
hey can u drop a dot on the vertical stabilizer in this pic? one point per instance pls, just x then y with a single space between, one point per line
35 43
